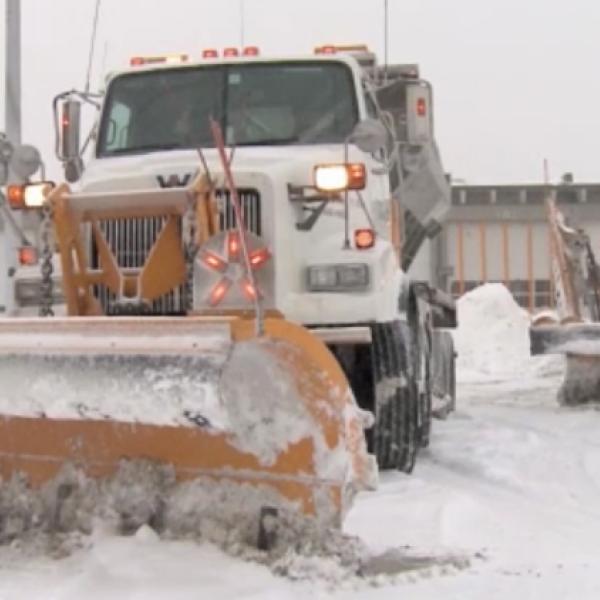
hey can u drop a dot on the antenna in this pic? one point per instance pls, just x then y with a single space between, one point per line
242 23
385 38
92 44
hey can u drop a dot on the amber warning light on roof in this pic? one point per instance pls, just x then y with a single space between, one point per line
140 61
333 49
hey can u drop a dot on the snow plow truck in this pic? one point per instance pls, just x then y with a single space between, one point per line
223 281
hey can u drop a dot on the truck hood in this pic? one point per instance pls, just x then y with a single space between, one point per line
165 169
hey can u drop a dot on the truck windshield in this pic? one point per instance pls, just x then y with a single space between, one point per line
256 104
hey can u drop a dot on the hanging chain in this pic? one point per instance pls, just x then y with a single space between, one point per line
189 251
46 287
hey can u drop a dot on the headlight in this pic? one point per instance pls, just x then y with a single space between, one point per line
338 278
36 193
336 178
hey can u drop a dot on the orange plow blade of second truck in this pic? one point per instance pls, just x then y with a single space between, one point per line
204 397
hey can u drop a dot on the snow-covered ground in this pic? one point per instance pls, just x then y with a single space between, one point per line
504 504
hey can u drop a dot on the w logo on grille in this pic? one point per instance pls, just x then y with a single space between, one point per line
173 180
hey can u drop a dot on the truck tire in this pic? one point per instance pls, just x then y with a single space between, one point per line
395 435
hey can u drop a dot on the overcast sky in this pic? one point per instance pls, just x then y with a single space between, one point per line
515 80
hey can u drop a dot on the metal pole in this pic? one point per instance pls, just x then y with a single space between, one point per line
13 72
10 223
385 38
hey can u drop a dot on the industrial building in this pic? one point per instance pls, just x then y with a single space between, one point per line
499 233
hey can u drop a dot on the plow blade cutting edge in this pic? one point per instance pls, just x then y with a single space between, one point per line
203 396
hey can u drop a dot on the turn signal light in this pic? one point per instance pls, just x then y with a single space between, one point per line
28 256
337 178
364 238
421 107
16 196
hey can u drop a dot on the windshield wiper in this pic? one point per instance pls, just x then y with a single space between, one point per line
147 147
269 142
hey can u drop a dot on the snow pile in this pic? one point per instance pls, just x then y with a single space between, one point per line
492 339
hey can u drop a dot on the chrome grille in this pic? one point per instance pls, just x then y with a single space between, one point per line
251 210
131 241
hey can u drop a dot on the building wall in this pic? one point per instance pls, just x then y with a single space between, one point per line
500 234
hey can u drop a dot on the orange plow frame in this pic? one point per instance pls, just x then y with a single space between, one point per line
164 268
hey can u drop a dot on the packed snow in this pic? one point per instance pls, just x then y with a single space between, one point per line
504 504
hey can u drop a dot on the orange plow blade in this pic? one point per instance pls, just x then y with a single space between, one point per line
201 396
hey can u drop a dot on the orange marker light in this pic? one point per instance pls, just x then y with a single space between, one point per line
259 257
16 196
357 176
229 52
210 53
325 50
364 238
249 290
251 51
218 292
421 107
233 245
214 262
28 256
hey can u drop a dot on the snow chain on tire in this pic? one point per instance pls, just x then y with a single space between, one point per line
396 429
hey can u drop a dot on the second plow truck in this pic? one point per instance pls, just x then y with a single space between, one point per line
233 262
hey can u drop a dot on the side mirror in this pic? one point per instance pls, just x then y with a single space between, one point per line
70 127
369 135
70 139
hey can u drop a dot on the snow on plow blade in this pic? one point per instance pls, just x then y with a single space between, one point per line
201 395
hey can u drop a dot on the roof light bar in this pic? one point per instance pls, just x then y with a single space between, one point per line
140 61
333 49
